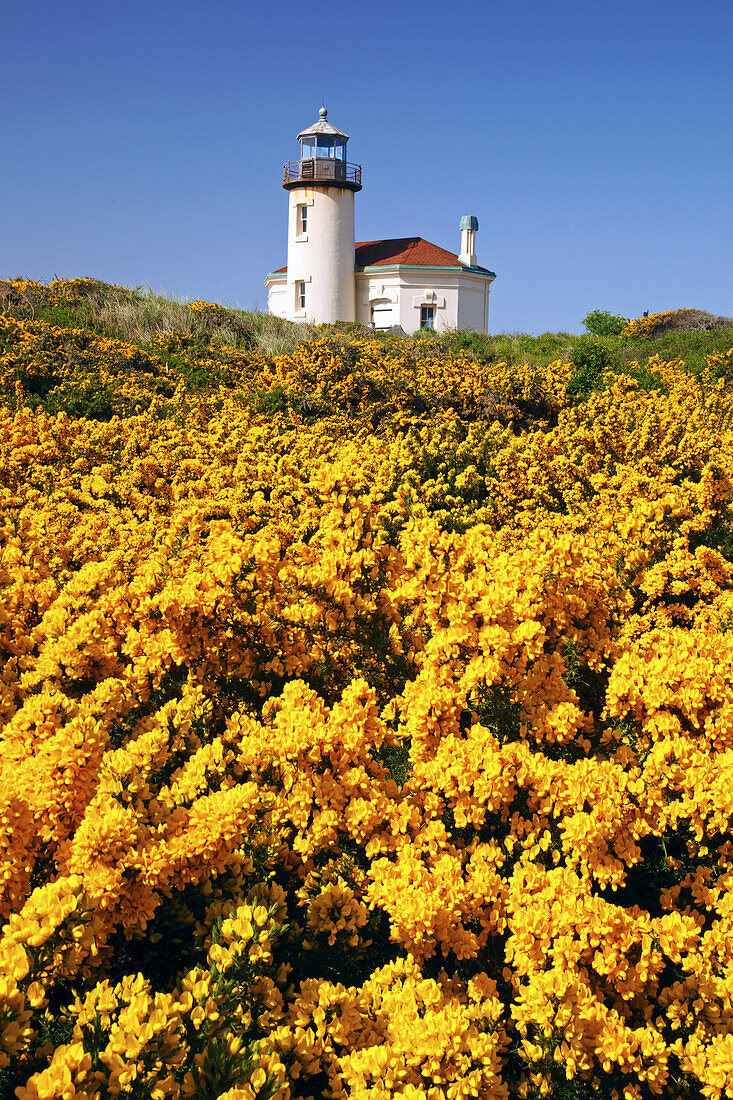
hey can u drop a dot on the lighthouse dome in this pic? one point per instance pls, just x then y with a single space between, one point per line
323 126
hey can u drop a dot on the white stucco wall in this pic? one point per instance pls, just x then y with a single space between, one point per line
323 256
473 306
277 297
460 298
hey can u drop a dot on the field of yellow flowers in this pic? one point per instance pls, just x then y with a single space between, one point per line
367 721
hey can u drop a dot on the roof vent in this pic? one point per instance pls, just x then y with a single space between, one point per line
469 225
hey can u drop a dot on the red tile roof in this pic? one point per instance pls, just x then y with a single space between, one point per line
400 250
404 250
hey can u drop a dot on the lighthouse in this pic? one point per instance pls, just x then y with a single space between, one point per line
321 243
400 284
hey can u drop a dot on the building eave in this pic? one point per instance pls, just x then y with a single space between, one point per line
391 269
374 269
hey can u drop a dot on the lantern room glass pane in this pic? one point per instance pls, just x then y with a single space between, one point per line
340 149
308 148
325 147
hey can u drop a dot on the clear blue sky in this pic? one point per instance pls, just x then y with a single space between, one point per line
143 142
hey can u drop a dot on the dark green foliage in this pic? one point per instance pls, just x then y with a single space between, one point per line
665 861
220 1070
476 344
91 399
503 348
626 351
600 322
647 379
396 758
497 710
271 401
591 357
693 347
718 535
55 1028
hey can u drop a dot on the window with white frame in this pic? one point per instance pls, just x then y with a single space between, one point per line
302 219
427 316
300 295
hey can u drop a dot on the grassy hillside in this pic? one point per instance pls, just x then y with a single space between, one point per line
366 709
90 349
140 316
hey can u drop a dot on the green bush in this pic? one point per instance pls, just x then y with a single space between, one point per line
271 401
600 322
693 347
591 357
93 399
477 344
647 379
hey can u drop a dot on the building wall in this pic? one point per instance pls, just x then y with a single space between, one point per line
460 298
277 297
323 257
473 310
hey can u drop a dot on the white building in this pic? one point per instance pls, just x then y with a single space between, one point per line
405 282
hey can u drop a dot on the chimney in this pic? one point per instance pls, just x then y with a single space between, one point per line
469 225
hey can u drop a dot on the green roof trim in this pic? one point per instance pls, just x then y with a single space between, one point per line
374 269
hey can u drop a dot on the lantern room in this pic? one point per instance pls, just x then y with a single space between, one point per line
322 158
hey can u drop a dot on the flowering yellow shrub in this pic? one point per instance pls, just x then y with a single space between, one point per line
645 326
671 319
366 723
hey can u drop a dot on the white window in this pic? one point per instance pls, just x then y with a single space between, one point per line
427 316
302 220
300 295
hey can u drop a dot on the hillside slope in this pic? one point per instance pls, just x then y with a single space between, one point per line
366 714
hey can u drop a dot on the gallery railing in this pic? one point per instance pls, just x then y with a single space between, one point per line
322 170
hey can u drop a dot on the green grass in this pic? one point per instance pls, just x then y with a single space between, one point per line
690 346
621 351
149 314
509 348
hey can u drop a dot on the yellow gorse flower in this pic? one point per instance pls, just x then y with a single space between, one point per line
366 720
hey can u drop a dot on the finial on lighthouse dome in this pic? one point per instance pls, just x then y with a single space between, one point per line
323 126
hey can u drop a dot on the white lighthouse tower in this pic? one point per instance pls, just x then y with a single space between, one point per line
322 184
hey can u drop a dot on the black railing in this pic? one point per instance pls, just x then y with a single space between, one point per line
320 169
